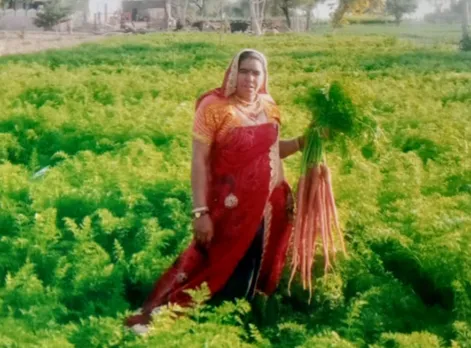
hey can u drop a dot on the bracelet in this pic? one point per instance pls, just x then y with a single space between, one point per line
200 209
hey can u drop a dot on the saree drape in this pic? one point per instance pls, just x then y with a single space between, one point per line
246 199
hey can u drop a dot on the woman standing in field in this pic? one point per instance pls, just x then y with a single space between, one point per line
243 207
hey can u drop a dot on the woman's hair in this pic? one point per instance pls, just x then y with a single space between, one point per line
250 55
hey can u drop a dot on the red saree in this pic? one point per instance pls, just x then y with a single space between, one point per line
243 194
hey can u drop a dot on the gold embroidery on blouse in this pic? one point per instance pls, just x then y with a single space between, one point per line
220 117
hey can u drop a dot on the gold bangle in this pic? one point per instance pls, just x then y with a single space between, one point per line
200 209
199 214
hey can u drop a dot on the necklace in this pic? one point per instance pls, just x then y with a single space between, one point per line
245 102
249 109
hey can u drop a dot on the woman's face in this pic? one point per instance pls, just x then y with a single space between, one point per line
249 79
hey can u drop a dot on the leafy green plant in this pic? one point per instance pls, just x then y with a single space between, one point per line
95 191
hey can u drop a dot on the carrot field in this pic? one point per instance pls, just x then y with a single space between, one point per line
95 153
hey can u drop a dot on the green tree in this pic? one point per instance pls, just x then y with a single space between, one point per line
356 7
465 38
52 14
398 8
9 4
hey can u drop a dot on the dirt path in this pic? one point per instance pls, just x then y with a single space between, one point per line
13 42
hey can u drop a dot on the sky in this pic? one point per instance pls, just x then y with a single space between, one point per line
321 12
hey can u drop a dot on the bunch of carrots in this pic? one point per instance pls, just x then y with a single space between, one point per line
333 113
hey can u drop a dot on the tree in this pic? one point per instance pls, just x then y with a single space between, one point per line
10 4
168 11
398 8
287 6
181 7
356 7
52 14
257 10
274 8
445 11
201 6
457 12
309 6
207 7
465 43
438 5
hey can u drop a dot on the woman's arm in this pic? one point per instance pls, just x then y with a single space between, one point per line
202 226
199 173
290 147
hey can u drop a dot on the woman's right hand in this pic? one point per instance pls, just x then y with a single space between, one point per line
203 230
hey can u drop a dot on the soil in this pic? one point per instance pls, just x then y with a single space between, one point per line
16 42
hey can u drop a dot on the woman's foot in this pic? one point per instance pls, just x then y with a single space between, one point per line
140 329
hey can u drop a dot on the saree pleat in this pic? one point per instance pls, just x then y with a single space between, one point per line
240 191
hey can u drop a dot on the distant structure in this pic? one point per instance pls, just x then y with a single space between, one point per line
21 5
151 11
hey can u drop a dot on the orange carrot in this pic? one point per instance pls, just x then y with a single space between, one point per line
324 230
310 181
315 215
314 173
312 255
329 227
331 202
328 214
297 229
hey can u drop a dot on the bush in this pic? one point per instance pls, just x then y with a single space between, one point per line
52 14
465 44
369 20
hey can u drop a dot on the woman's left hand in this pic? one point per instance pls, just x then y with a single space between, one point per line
302 138
301 142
